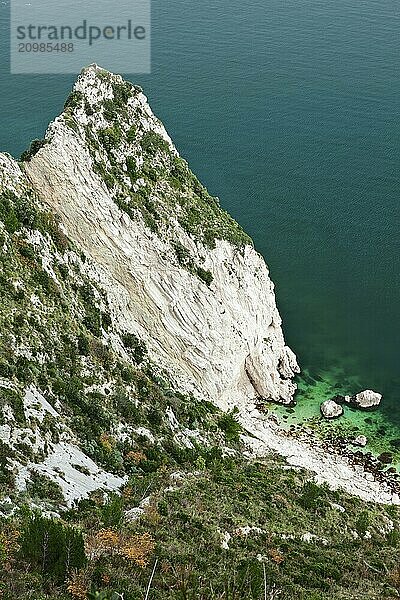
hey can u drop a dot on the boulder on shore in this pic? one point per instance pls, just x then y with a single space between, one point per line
331 410
360 441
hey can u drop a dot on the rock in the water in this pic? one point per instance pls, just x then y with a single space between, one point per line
341 399
331 410
367 399
386 458
360 440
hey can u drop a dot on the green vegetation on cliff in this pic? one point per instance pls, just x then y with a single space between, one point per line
142 171
213 525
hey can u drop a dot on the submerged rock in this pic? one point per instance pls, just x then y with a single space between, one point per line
341 399
385 458
331 410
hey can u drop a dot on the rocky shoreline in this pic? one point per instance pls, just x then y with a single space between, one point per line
331 461
371 464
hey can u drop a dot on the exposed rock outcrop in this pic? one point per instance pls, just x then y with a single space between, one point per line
360 441
109 168
365 400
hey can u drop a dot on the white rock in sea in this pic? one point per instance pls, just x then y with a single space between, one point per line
367 399
360 440
331 410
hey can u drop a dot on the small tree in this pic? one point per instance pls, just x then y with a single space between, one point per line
52 547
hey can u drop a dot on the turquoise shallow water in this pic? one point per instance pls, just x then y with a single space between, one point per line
289 112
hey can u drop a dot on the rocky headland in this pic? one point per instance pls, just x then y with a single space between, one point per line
149 272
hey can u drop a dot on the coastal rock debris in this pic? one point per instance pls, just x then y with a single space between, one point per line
367 399
360 441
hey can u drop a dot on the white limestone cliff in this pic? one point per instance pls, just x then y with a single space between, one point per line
223 342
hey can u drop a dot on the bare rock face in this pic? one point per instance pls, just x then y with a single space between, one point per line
331 410
178 271
366 400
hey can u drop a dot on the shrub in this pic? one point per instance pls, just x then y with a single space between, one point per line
182 254
49 223
311 496
27 252
125 406
113 511
101 353
71 122
17 212
74 99
42 487
106 320
11 222
109 110
153 142
180 172
83 345
131 168
134 547
92 320
122 92
229 425
15 401
205 276
136 346
362 522
34 148
131 134
110 137
7 477
104 595
137 548
41 277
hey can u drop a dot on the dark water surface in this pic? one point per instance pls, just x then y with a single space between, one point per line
289 112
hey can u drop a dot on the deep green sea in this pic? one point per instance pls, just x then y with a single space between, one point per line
288 110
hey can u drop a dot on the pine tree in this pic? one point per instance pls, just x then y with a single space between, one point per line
51 547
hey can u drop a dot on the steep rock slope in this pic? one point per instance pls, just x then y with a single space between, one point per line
74 413
148 287
178 271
